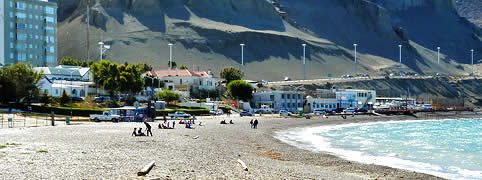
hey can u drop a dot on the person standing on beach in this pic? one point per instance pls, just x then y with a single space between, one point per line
173 124
251 122
148 127
255 124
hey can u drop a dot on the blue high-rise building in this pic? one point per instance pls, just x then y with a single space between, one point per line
28 32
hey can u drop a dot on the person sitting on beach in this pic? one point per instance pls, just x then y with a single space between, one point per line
140 133
251 122
159 126
134 133
255 124
223 122
231 122
173 124
188 126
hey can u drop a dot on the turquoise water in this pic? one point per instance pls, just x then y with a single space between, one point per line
446 148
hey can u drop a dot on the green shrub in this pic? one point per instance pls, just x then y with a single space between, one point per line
63 110
225 108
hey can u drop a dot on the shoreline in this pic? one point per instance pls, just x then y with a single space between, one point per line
93 150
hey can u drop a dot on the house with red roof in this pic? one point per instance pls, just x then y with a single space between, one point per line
183 79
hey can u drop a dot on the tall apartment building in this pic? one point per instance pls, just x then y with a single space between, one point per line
28 32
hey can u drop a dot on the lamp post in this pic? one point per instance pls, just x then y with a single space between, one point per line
355 56
242 59
400 58
472 52
304 61
170 57
103 48
71 94
438 61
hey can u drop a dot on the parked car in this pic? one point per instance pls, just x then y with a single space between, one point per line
101 99
245 113
362 110
77 99
338 110
319 111
105 116
179 114
216 112
348 110
285 113
287 79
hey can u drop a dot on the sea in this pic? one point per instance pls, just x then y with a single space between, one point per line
446 148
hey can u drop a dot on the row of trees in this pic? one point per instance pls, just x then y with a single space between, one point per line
18 83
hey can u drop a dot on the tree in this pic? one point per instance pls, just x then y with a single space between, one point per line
241 90
174 65
19 82
65 98
45 99
183 67
231 74
167 95
114 78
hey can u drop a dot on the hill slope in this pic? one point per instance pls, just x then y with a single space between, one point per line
207 34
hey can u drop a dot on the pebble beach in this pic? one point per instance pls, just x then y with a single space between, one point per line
108 151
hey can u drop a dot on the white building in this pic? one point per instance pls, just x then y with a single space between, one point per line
184 79
278 100
74 80
341 98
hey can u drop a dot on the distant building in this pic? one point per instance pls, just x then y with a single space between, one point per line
341 98
278 100
28 32
74 80
184 79
389 102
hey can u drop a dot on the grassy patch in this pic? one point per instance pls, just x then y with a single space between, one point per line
13 144
29 163
2 146
42 151
25 153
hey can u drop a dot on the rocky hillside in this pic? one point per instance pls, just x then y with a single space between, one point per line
471 9
207 34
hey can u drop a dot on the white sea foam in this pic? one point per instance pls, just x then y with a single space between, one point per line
320 139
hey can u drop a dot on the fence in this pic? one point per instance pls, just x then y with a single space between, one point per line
20 120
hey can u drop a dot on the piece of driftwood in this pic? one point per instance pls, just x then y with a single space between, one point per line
242 164
146 169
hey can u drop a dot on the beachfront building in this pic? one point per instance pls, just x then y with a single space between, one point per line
331 99
390 102
184 79
28 32
75 80
278 100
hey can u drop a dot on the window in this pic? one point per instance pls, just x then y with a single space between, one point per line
49 20
30 26
11 45
11 4
288 96
51 59
11 55
29 6
36 26
20 15
282 96
21 5
21 57
36 7
21 26
36 16
30 56
30 36
11 25
49 39
11 35
30 16
21 37
299 96
50 30
49 10
50 49
30 46
271 97
36 36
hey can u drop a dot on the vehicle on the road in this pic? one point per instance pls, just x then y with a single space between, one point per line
347 76
264 81
216 112
105 116
77 99
245 113
179 114
101 99
349 110
362 110
285 113
287 79
319 111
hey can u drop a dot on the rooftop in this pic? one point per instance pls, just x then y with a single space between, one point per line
179 73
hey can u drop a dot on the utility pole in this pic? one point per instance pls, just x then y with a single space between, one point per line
88 30
242 59
400 58
472 50
438 61
355 58
304 61
170 57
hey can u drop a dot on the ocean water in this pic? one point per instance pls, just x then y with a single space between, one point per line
446 148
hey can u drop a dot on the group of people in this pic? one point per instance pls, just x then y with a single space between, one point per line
254 124
167 125
224 122
141 133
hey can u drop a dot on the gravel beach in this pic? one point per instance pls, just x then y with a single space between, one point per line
211 151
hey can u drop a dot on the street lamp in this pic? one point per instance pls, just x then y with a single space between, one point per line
170 57
242 59
438 61
355 56
400 58
103 48
304 61
472 50
71 94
